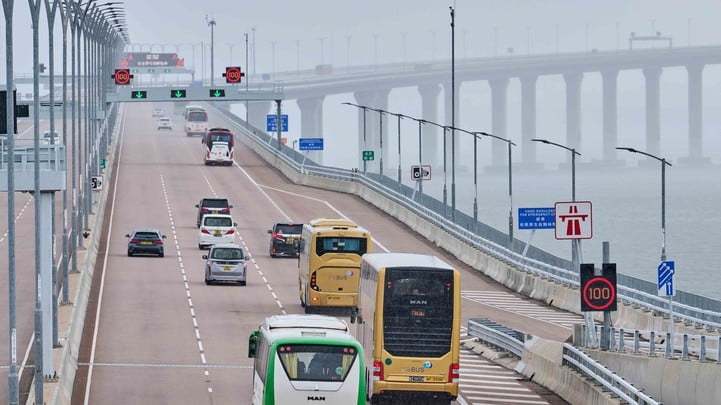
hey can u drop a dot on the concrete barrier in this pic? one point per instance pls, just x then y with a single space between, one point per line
542 363
559 295
671 381
63 390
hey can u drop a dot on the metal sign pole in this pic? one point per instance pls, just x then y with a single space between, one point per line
606 314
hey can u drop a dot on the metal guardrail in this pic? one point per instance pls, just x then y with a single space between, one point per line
488 333
51 157
589 368
502 253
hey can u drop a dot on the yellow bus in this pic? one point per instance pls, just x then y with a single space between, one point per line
409 325
329 263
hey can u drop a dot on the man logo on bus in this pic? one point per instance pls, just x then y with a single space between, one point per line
315 398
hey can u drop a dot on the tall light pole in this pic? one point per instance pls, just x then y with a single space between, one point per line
575 243
445 163
247 77
347 50
380 132
453 113
230 49
664 163
13 392
365 141
272 45
252 30
211 23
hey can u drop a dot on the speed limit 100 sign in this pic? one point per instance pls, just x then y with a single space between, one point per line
598 292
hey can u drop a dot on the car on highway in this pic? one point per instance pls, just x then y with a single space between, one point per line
211 206
51 138
215 229
146 241
285 240
157 112
165 123
225 262
218 146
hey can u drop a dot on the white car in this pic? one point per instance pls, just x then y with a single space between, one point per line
215 229
219 154
165 123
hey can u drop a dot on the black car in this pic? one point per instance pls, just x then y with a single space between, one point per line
212 206
146 241
284 240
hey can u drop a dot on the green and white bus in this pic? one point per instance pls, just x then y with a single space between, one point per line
306 359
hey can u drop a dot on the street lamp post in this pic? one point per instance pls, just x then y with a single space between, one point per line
211 23
445 164
664 163
245 35
363 108
453 113
575 243
380 132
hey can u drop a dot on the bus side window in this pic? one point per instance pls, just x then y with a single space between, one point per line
253 344
261 359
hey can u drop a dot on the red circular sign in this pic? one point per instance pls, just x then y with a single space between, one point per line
233 75
598 293
122 76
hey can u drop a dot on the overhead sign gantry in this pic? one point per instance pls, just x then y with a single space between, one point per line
193 93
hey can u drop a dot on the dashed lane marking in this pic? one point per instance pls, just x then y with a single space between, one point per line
523 306
181 267
204 367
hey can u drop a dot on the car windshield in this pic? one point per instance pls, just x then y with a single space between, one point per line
198 116
218 221
286 229
219 137
215 203
146 236
227 254
316 362
340 245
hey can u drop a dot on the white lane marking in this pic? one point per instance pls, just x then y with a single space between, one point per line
327 204
86 400
196 328
245 245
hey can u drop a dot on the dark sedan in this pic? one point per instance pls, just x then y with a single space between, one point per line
146 242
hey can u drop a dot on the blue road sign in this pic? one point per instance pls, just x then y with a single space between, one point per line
665 272
537 218
310 144
271 123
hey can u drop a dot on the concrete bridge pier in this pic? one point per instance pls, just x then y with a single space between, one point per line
653 109
257 110
311 123
695 115
374 99
499 120
528 121
573 110
431 137
610 116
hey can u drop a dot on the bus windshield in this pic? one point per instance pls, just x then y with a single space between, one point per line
418 312
316 362
197 116
340 245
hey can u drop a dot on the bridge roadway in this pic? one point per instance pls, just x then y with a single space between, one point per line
163 336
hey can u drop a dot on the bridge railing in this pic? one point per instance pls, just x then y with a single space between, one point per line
427 208
494 337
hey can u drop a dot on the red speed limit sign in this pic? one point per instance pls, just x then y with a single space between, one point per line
233 74
598 292
122 77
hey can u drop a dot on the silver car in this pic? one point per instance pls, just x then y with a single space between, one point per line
226 262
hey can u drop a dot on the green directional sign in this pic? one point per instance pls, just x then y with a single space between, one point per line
217 93
178 93
368 155
139 94
103 163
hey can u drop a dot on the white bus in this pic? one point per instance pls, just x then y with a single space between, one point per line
196 120
306 359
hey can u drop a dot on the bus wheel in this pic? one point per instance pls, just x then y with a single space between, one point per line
307 309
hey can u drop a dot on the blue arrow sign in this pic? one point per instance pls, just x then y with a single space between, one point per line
271 123
310 144
665 272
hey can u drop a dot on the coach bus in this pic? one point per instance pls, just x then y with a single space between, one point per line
306 359
409 324
196 120
329 263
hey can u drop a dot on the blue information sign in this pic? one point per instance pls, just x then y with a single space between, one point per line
310 144
665 272
537 218
271 123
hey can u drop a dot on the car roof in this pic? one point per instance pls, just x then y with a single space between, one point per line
146 230
226 246
217 216
213 198
218 130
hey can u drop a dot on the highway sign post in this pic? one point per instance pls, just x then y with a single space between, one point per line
574 220
271 123
368 155
598 292
310 144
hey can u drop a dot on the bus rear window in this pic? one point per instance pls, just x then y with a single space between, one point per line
340 245
197 116
316 362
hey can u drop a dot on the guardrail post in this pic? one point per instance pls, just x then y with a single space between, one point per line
718 350
621 341
652 345
612 342
684 351
636 341
702 351
669 346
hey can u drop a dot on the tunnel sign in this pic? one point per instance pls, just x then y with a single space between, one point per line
574 220
598 293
